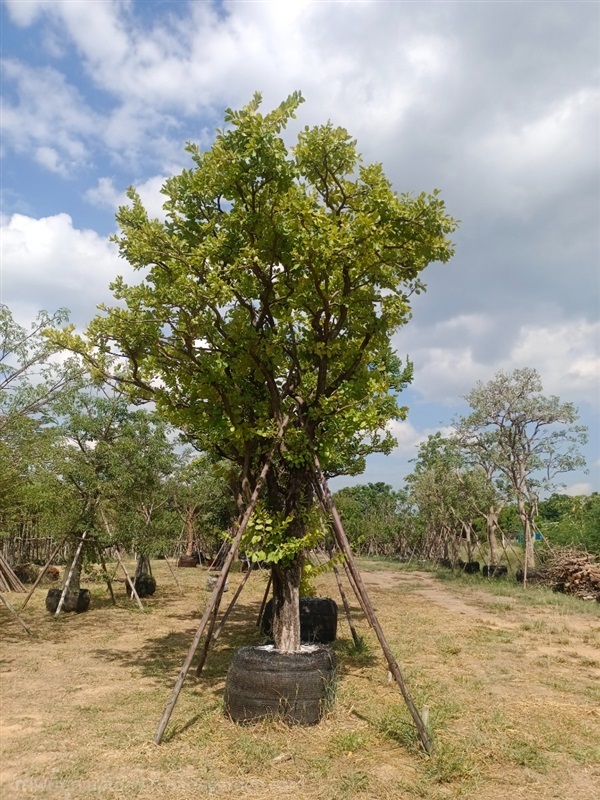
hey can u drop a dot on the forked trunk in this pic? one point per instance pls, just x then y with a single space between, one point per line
286 606
143 568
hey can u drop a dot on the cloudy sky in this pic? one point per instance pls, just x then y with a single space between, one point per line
494 103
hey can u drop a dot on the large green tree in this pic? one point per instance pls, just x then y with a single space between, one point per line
268 300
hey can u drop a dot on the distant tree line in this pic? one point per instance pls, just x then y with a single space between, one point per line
484 483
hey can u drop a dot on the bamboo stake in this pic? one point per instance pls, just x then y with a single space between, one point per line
108 578
121 564
42 573
264 600
212 637
128 579
216 592
12 581
328 505
336 572
174 576
366 611
15 614
70 575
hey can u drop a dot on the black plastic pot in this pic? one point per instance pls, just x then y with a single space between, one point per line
74 601
145 586
295 687
188 561
494 570
318 620
539 576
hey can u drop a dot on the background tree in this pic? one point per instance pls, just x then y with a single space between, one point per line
571 521
203 498
137 486
269 298
527 437
371 518
30 381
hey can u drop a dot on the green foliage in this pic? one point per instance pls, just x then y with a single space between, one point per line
273 288
266 537
373 517
571 521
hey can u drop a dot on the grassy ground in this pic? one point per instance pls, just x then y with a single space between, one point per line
511 680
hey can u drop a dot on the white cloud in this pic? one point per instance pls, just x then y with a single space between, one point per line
453 355
578 488
50 119
47 263
49 158
409 438
107 195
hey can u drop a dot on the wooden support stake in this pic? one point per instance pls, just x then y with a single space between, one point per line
13 584
264 600
121 564
15 614
212 637
328 505
336 572
357 594
108 578
70 575
42 573
174 576
128 579
216 592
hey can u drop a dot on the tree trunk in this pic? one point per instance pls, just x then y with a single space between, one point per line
295 489
528 534
143 568
75 584
189 529
491 521
286 606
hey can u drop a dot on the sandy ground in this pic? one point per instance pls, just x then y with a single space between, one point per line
514 693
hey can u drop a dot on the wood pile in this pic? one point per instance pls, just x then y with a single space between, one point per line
574 572
8 580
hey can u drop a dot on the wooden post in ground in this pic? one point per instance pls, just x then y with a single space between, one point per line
15 614
264 600
336 572
352 583
108 578
212 637
128 579
216 593
42 573
328 505
70 575
134 593
174 576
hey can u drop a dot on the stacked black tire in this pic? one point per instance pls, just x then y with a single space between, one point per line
295 687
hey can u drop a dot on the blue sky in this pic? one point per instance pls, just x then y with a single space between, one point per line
494 103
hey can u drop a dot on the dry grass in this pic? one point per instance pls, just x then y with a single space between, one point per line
511 681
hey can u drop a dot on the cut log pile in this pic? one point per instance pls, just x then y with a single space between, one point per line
574 572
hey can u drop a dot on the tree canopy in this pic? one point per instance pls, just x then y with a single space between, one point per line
272 289
266 309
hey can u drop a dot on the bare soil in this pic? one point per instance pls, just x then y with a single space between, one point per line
511 681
